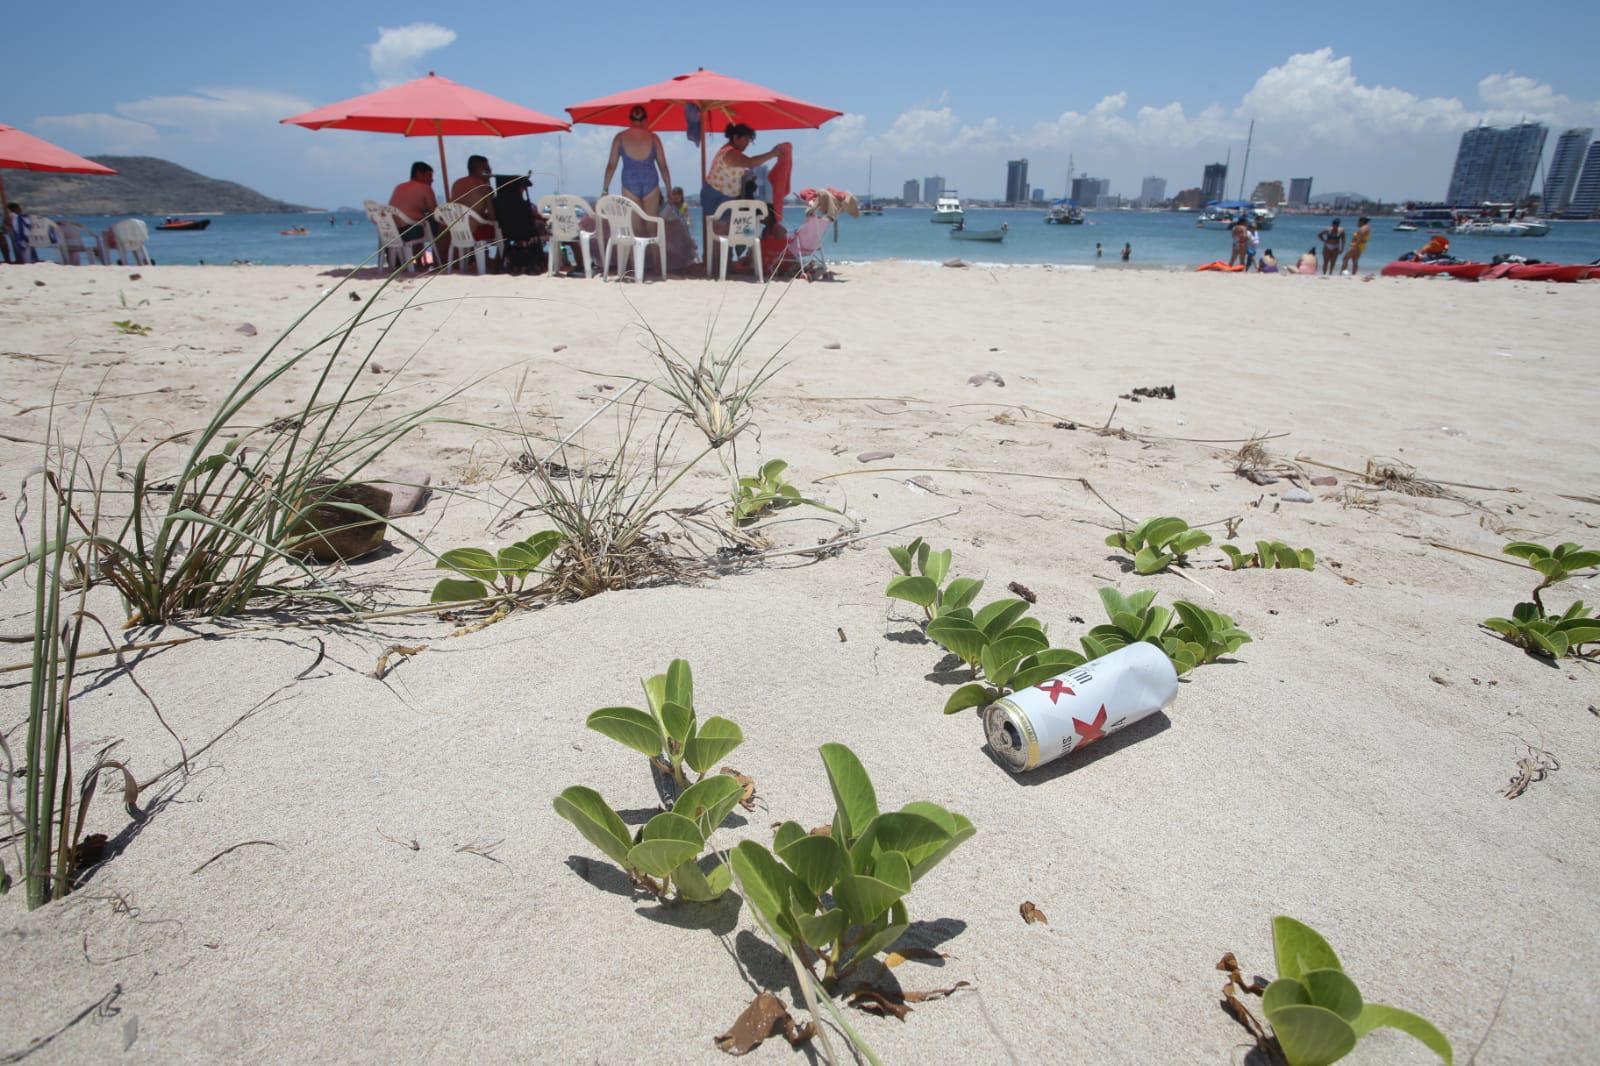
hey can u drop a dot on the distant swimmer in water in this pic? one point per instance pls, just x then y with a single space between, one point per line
1127 252
1097 251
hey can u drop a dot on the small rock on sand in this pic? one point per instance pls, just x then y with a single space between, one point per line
867 457
1326 479
832 346
559 348
1297 496
247 329
956 263
987 376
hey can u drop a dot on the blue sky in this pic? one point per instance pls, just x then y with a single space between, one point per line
1362 96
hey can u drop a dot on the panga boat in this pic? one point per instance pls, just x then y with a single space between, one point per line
948 208
994 236
1427 216
1064 213
184 223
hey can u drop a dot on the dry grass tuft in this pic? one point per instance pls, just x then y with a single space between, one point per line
1395 476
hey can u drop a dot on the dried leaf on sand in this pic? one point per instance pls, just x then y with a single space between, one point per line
765 1015
1032 914
895 1003
747 799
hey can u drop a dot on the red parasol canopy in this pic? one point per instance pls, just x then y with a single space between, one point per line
722 101
24 151
430 107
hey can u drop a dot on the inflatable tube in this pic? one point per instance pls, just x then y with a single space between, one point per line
1220 265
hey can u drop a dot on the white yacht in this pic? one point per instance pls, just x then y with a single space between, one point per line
948 208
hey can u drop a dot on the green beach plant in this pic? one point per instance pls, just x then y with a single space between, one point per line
1270 555
921 580
1317 1012
838 896
205 539
480 569
1540 631
129 326
666 852
1189 634
1157 543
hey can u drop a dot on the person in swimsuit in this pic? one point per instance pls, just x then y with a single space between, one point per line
725 180
1332 240
1358 244
644 163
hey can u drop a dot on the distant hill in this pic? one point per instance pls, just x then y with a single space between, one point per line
142 186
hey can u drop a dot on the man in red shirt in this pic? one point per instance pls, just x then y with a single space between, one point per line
416 201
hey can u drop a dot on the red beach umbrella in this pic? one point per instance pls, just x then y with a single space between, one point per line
430 107
722 101
24 151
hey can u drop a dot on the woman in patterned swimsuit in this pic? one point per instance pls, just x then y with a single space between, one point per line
642 156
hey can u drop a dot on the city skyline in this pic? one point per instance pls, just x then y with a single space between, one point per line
1364 112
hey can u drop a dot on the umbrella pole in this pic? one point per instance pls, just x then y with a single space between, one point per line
443 168
705 216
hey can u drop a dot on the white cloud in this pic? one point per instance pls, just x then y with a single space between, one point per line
99 132
207 111
395 53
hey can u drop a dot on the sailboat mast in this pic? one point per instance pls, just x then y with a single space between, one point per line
1245 169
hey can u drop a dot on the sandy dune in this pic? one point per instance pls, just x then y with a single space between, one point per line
1346 769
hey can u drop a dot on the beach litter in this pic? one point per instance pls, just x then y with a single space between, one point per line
1037 725
987 376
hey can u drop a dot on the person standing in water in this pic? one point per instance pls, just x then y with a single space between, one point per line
1097 250
644 163
1127 252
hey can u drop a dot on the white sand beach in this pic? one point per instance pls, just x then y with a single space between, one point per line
417 898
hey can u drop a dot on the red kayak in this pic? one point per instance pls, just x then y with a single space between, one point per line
1549 271
1460 271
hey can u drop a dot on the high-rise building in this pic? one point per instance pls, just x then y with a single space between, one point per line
1017 181
1152 191
1190 198
1586 197
1086 191
1496 165
1268 192
932 189
1299 192
909 193
1215 184
1107 201
1564 167
1036 196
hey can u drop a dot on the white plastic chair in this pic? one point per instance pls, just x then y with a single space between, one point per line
459 219
745 219
565 214
78 243
618 214
392 250
45 236
805 243
131 235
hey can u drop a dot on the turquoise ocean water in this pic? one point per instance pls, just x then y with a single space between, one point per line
1158 239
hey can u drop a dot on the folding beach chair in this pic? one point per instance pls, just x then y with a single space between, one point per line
805 244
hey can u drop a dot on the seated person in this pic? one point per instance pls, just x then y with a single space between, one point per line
1268 263
415 200
1308 262
682 252
725 179
476 192
1438 245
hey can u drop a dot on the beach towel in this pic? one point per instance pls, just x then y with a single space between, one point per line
781 175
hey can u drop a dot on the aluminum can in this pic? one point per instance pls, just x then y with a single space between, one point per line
1073 710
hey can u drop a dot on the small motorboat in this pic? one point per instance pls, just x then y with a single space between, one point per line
184 223
960 232
1406 227
947 208
1064 213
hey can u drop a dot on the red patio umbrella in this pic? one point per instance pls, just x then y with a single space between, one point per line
430 107
722 101
24 151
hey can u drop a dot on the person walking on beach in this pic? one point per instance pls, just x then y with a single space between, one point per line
1127 252
1332 240
1358 244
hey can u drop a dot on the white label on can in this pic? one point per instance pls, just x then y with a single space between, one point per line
1082 705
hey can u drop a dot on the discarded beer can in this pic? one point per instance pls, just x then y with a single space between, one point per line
1041 724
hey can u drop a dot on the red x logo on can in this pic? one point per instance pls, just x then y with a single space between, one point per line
1056 689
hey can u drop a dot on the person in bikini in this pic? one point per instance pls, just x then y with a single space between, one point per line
1358 244
644 163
